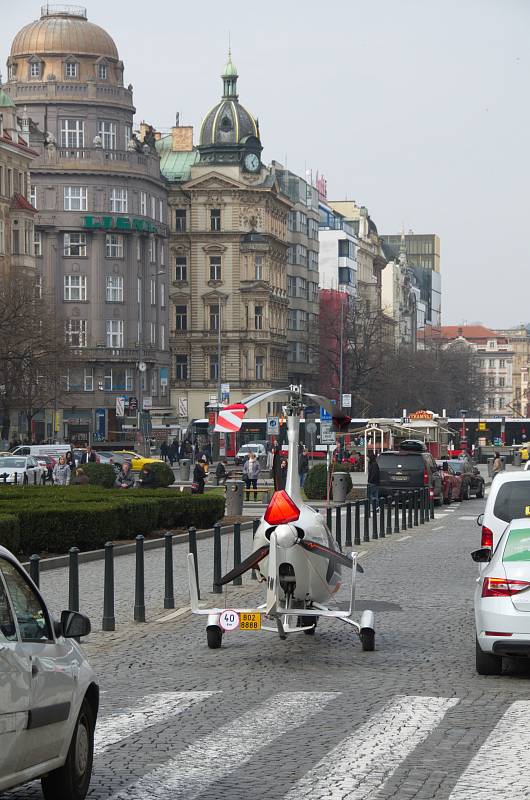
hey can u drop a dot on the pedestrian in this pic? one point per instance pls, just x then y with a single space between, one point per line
207 451
89 456
221 473
80 478
182 452
276 466
303 463
70 460
147 477
197 486
524 454
269 449
125 479
497 466
251 474
61 472
282 474
171 454
164 451
374 477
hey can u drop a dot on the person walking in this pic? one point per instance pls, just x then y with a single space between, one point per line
164 451
171 454
251 474
497 466
282 475
89 456
198 479
270 454
61 472
303 463
524 454
374 478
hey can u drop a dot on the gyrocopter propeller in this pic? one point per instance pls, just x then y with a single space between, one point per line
295 552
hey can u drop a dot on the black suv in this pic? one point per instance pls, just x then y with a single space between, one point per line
472 480
411 468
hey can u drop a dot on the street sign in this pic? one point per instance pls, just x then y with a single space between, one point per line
148 402
183 407
229 620
225 392
327 434
325 416
120 406
163 376
133 405
346 400
273 426
311 427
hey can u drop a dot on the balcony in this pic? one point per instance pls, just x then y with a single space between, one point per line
86 159
112 354
69 90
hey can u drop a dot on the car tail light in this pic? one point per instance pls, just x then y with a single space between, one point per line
425 477
497 633
281 509
431 493
502 587
487 537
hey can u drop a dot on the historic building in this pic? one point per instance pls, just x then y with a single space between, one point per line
402 302
519 340
228 255
16 211
100 231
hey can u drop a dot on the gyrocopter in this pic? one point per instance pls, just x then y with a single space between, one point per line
294 551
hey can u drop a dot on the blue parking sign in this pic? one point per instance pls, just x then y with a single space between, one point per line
325 416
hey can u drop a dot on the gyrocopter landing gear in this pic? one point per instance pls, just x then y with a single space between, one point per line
367 631
214 636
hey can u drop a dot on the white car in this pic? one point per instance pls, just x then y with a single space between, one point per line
252 447
48 694
502 599
509 498
26 469
527 465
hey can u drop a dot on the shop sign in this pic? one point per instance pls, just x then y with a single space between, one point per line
418 415
110 223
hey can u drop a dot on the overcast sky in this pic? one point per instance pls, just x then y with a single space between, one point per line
417 109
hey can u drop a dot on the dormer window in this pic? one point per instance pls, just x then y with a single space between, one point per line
70 69
34 69
103 72
11 71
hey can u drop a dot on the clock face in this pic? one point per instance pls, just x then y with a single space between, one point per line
252 162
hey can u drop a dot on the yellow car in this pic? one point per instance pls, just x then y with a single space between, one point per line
138 462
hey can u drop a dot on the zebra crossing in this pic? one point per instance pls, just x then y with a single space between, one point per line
356 768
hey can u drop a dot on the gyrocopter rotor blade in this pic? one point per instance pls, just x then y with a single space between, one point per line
327 552
250 562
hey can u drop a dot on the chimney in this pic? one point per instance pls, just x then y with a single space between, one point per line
182 138
460 331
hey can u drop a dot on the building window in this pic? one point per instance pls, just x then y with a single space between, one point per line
215 268
502 382
258 318
153 207
128 135
107 131
75 198
114 288
181 271
502 363
181 318
152 250
260 368
215 219
74 244
138 249
114 245
128 380
37 243
214 317
33 195
152 332
491 363
214 367
75 332
38 287
181 368
88 381
153 291
501 402
118 201
103 72
180 220
162 254
72 133
162 337
114 333
75 287
143 204
346 248
34 69
2 237
70 69
162 295
160 211
258 268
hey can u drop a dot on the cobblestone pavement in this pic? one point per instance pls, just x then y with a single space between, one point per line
315 717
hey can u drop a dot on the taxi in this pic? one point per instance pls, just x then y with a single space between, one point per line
137 461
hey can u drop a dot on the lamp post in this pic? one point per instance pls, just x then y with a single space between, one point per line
463 437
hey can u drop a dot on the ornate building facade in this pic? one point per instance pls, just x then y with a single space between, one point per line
100 228
228 254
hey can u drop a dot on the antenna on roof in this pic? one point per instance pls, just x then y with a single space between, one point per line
177 119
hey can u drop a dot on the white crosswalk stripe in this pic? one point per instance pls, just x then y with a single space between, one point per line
503 759
150 710
359 765
212 757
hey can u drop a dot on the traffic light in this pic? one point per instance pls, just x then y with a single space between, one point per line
341 422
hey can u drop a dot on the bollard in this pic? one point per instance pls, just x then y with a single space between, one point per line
422 506
108 623
237 553
217 588
382 518
139 598
403 511
4 476
192 548
416 500
389 515
366 535
34 569
338 526
255 526
375 534
73 579
431 503
348 524
396 512
34 479
169 596
409 509
357 533
329 522
16 478
25 479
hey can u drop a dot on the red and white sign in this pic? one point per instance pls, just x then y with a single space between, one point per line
229 620
231 418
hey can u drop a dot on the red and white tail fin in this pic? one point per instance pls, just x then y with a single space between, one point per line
231 418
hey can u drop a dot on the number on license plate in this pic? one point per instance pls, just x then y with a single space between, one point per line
250 621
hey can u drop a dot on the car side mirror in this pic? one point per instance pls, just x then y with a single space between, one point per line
483 555
480 519
74 624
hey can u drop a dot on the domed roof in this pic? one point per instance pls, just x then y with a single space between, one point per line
63 32
5 99
228 122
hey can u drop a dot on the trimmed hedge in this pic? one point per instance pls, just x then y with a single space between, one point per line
163 473
100 474
55 519
315 484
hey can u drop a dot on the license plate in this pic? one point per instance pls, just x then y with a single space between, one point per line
250 621
399 477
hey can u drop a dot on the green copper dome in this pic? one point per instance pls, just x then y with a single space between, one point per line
5 100
230 68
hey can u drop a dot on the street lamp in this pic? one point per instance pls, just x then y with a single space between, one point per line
463 437
142 366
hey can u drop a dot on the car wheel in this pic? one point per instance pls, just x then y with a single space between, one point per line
71 781
367 636
487 663
214 637
480 491
308 621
